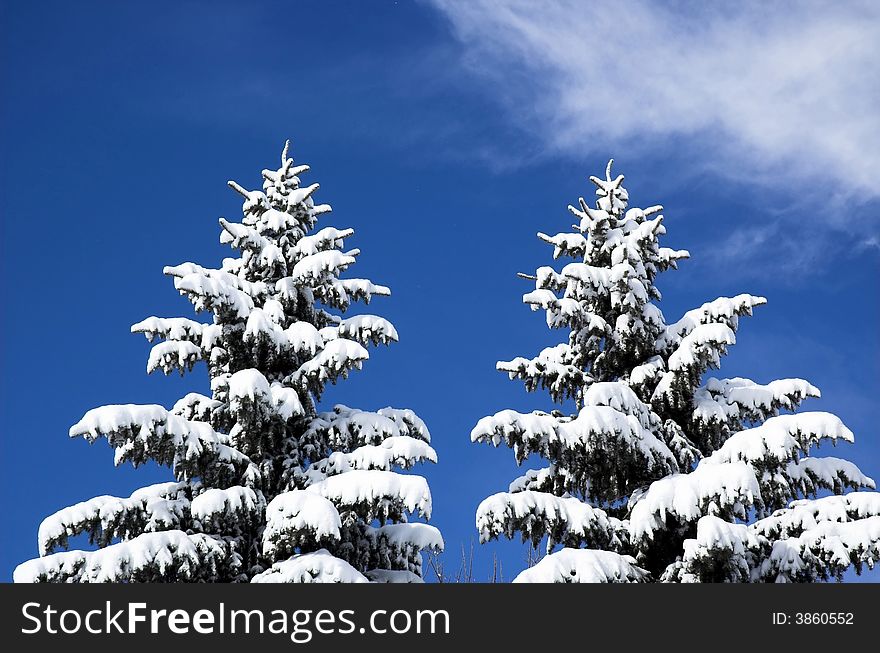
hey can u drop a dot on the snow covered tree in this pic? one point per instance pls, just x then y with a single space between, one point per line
267 488
661 474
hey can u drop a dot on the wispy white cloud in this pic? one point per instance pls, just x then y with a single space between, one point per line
793 86
783 89
780 97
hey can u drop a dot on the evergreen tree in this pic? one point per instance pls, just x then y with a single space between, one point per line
660 474
267 489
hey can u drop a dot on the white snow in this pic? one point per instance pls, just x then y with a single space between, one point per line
562 517
414 535
730 547
348 428
376 487
195 406
184 557
828 545
300 337
594 428
619 396
716 533
398 450
241 236
326 238
215 289
337 358
595 279
248 384
806 514
173 354
510 425
295 511
316 266
318 567
647 371
393 576
687 497
169 328
723 400
368 328
251 385
552 366
363 288
583 566
811 474
569 244
286 401
781 439
303 337
219 507
153 508
724 310
406 422
533 479
138 432
705 342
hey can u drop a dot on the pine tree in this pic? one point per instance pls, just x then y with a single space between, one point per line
661 474
267 488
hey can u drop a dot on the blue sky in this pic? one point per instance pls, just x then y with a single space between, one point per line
446 134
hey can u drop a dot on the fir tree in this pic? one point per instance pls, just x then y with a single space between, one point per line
661 474
267 488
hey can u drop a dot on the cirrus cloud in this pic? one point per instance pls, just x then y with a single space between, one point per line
788 90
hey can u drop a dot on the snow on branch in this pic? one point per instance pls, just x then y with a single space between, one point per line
781 439
809 475
824 551
325 239
804 514
173 355
399 537
250 393
563 520
724 310
696 352
160 507
393 576
321 265
335 360
366 329
171 328
721 489
227 511
317 567
584 566
721 552
299 519
566 244
187 342
396 451
346 428
195 407
730 402
375 494
552 369
300 338
565 312
140 433
604 445
169 556
339 293
216 290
